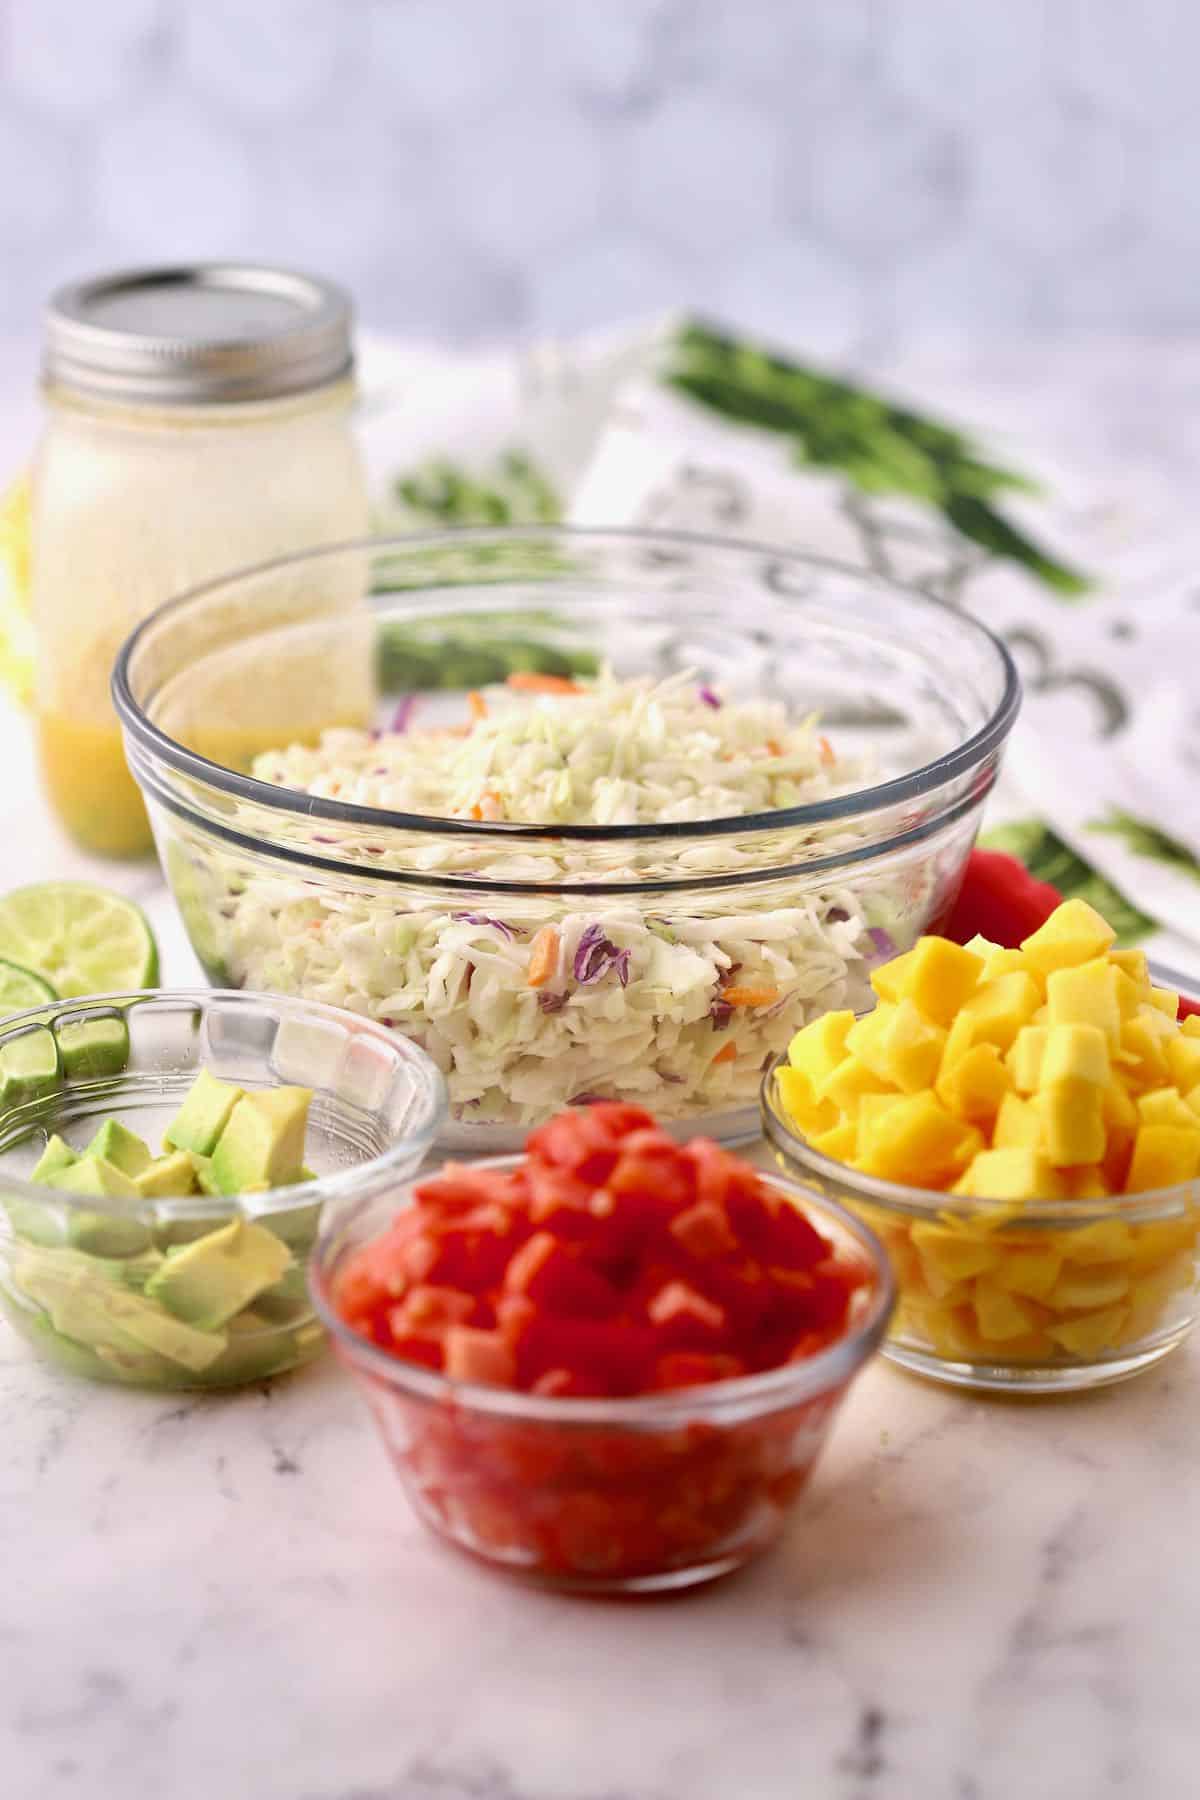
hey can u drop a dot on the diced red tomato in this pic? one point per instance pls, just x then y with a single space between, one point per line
999 899
484 1356
612 1261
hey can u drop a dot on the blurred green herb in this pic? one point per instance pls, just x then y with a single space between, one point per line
879 448
469 652
513 491
1145 839
1048 859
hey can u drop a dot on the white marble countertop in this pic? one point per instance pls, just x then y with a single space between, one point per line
229 1597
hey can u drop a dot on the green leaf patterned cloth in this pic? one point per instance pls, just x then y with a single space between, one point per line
920 474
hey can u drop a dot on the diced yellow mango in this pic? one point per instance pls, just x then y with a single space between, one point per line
1106 1241
1073 934
1183 1061
1129 995
974 1086
839 1143
1001 1314
953 1333
959 1039
1163 1156
916 1141
1142 1055
1087 1183
1073 1122
800 1103
999 1008
1085 995
848 1083
1094 1332
1193 1099
936 975
1001 961
1190 1027
1011 1175
1029 1272
1018 1125
1024 1058
1079 1288
817 1049
870 1106
1121 1123
1164 1001
1033 1347
1075 1053
958 1254
1164 1106
981 946
1161 1240
899 1045
1154 1297
1131 963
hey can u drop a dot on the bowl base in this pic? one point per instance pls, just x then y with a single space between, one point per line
1027 1378
663 1581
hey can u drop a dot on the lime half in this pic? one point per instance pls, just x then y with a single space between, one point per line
79 938
21 989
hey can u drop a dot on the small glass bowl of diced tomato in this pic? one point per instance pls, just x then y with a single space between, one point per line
608 1364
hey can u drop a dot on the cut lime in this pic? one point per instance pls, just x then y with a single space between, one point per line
93 1047
21 990
80 938
29 1066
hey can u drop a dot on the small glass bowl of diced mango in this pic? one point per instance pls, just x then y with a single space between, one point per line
1021 1128
165 1159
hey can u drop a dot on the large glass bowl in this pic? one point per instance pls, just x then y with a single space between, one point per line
646 1494
1027 1297
76 1275
427 923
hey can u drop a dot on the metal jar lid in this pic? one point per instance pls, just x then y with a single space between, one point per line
208 333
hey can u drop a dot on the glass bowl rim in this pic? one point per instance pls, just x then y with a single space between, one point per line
772 1390
336 1187
928 778
926 1204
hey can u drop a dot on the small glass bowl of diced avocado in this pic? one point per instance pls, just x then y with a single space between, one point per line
164 1160
1021 1128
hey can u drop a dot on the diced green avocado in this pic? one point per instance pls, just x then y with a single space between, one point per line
96 1176
204 1175
288 1300
36 1222
57 1156
257 1348
205 1283
168 1177
203 1116
135 1271
104 1233
263 1143
85 1304
93 1047
122 1148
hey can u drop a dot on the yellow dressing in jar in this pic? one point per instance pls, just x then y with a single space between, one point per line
198 422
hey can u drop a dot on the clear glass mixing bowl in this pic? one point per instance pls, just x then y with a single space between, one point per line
427 923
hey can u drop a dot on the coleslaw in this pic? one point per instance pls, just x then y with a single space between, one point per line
528 1002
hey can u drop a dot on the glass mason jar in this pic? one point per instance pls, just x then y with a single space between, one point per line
198 420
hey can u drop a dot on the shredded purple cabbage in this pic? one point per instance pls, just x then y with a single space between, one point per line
884 943
402 717
508 931
596 956
720 1012
837 915
711 699
587 1100
551 1003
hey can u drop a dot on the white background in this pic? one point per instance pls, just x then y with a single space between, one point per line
840 172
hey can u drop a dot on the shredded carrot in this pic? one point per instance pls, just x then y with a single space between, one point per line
775 747
825 749
528 681
726 1053
749 996
476 812
477 706
543 957
488 806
